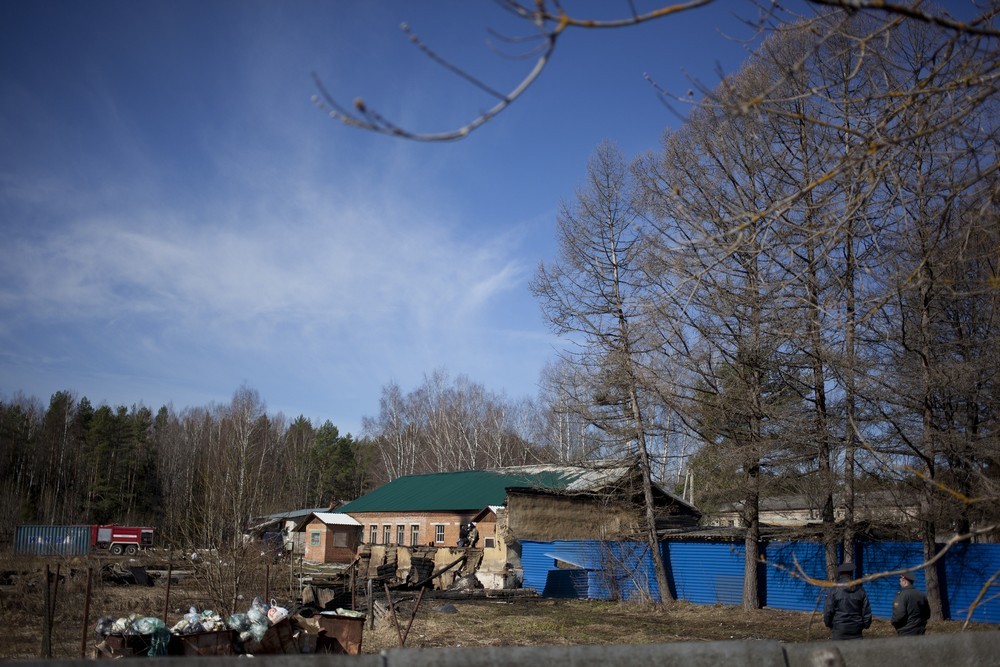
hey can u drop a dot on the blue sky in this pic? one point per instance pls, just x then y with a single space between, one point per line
178 218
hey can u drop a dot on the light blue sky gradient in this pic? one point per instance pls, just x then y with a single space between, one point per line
179 219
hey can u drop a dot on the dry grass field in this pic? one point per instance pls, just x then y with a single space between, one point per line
437 623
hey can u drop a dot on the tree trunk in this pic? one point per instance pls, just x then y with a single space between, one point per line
751 585
652 539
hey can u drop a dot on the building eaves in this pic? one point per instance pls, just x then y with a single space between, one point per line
328 518
336 519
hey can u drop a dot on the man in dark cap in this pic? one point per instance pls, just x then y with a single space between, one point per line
910 610
846 611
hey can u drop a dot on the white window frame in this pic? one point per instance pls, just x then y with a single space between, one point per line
415 534
438 533
374 534
387 533
400 534
315 538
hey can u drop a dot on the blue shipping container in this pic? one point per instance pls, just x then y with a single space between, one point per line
52 540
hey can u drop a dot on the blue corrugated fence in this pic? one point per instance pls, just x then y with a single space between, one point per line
786 589
589 569
969 573
706 572
886 557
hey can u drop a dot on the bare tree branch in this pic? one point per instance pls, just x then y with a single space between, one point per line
550 21
913 11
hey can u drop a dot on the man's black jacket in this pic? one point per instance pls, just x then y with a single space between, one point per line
910 612
847 612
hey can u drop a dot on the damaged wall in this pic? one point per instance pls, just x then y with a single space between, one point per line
500 567
547 517
401 558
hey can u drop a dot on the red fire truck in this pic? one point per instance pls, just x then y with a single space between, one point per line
121 539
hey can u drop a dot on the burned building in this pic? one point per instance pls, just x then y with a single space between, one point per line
425 515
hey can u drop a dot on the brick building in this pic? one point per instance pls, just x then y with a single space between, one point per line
330 537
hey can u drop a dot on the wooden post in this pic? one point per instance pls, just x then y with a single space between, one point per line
55 597
392 611
267 581
46 625
86 614
166 598
371 605
409 625
354 568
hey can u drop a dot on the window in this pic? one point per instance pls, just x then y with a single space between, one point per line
314 538
340 538
400 534
415 534
374 534
489 542
439 533
386 534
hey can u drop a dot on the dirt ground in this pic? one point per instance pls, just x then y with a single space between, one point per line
520 621
539 621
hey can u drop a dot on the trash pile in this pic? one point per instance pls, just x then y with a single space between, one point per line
132 635
256 621
194 622
264 628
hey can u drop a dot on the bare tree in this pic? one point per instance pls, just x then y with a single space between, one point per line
943 188
594 295
392 434
563 426
847 146
443 425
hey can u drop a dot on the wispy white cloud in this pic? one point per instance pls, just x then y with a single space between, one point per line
235 234
287 255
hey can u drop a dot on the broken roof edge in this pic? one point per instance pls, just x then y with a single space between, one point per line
481 514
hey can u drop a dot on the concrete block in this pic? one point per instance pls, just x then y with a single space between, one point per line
297 660
967 649
682 654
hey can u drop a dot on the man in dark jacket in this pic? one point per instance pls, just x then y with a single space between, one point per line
846 610
910 610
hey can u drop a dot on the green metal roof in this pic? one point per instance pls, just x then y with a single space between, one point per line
460 491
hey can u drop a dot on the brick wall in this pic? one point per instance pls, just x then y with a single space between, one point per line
426 523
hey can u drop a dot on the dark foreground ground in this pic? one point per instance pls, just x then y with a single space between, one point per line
521 621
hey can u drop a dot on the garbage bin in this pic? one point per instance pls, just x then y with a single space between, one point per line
215 642
339 634
123 646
